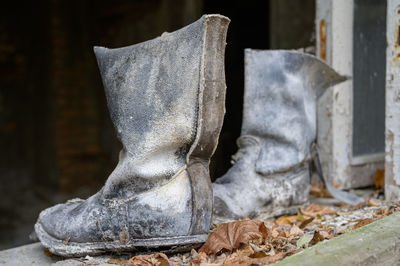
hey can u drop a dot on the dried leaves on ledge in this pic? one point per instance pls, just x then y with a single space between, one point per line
158 259
229 236
251 242
247 242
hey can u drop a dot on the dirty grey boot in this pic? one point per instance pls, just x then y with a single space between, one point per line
166 98
270 174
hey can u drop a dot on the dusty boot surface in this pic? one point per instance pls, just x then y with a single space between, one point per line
166 98
270 175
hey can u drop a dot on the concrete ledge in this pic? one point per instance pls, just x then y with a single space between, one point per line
32 254
377 243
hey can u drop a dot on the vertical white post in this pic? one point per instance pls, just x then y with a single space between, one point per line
342 115
392 132
334 31
323 28
334 26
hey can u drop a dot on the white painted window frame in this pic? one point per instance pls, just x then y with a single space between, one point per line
334 34
392 121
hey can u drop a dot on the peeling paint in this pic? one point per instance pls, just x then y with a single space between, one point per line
335 107
322 36
392 121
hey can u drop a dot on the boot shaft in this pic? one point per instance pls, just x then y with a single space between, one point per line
167 101
281 89
154 94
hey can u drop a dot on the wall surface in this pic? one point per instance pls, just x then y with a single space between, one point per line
292 24
56 137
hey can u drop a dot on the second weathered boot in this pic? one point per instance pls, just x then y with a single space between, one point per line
166 97
270 175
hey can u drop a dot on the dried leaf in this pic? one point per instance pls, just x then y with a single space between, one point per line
335 185
305 239
373 203
200 258
66 241
270 259
300 216
295 231
245 250
158 259
236 259
48 253
318 237
325 234
271 251
379 178
284 233
315 210
362 222
274 233
264 230
320 191
259 254
118 262
258 248
229 236
219 260
394 208
342 205
286 220
288 247
381 213
306 222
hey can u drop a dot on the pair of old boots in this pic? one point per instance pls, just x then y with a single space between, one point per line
166 99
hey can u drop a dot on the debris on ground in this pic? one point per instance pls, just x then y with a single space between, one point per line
158 259
256 242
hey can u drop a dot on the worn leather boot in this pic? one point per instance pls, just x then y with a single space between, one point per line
166 97
270 175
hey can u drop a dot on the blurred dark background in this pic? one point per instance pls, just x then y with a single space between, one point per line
56 137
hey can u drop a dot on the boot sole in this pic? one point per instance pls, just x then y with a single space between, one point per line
67 248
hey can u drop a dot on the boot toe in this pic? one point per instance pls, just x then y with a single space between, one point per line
56 222
69 222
